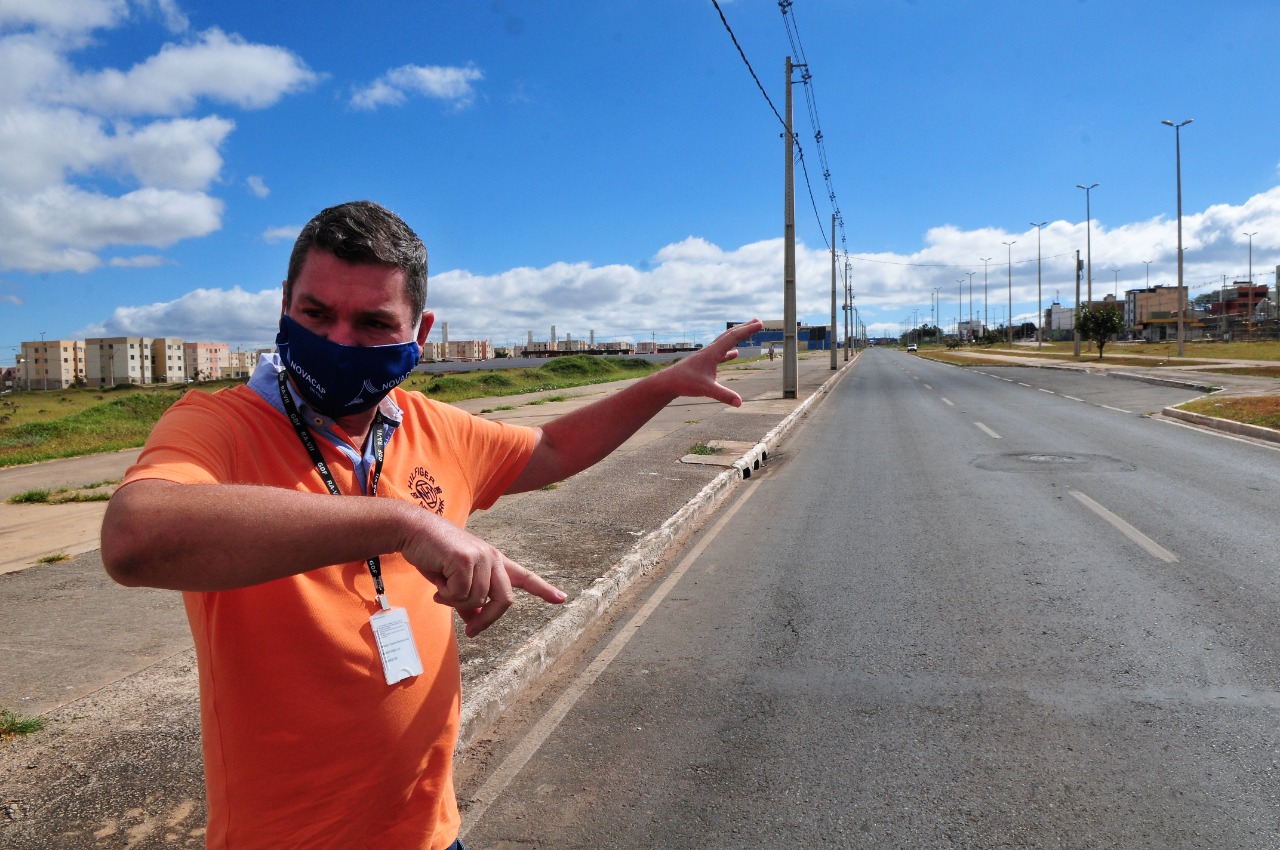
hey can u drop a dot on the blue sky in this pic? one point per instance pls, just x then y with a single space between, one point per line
612 166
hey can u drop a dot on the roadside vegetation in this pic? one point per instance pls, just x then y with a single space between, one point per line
1253 410
45 425
1146 354
13 724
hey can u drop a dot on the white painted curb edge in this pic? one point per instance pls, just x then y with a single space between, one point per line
484 701
1242 429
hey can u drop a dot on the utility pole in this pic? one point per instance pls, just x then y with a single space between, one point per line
1009 321
1075 324
1039 294
790 353
848 313
1177 154
831 343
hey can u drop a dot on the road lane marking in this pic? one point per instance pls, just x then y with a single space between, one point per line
992 434
927 387
519 757
1028 386
1043 390
1073 398
1153 548
949 401
1116 409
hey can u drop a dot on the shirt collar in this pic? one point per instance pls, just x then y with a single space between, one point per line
265 383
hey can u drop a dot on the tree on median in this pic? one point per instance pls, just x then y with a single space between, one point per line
1099 324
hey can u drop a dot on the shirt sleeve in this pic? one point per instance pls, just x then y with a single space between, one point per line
191 444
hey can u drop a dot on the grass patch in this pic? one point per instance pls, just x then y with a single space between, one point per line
95 492
559 373
12 724
1254 410
704 449
30 497
121 420
546 399
55 558
1253 371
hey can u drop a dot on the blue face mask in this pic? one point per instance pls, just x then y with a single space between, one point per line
339 380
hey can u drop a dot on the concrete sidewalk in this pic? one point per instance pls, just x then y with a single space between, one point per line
112 671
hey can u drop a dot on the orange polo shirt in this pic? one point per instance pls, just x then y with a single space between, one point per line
305 744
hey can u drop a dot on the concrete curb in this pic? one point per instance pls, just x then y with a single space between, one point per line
1199 386
1242 429
494 693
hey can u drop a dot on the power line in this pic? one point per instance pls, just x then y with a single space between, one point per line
799 149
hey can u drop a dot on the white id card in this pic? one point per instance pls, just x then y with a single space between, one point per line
395 644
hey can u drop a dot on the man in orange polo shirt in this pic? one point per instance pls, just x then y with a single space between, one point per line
329 679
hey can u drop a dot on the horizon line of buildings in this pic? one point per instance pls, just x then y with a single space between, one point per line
107 361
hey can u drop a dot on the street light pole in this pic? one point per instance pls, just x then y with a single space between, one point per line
985 260
1088 242
1009 320
971 274
1251 235
1177 158
1039 296
1148 263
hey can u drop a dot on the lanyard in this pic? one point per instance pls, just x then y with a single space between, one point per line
313 450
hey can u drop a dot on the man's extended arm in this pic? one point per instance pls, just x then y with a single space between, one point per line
223 536
577 440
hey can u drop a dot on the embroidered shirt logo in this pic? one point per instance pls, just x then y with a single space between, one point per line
423 487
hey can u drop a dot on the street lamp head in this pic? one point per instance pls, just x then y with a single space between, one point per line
1041 224
1086 188
1177 126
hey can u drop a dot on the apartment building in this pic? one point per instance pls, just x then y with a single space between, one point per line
50 364
168 362
117 360
205 360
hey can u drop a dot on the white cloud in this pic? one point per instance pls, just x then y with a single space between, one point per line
78 176
281 234
234 316
257 186
218 67
61 228
692 287
62 16
141 261
434 81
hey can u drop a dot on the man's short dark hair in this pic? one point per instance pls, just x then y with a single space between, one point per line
364 232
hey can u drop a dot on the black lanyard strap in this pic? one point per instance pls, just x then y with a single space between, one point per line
313 450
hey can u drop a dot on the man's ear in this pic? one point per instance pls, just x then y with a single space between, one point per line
284 304
424 328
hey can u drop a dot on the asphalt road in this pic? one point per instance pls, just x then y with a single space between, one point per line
965 608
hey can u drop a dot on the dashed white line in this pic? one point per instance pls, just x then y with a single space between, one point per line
1028 386
927 387
949 401
1116 409
992 434
1153 548
1073 398
1043 390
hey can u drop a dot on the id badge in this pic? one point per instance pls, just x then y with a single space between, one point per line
394 638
